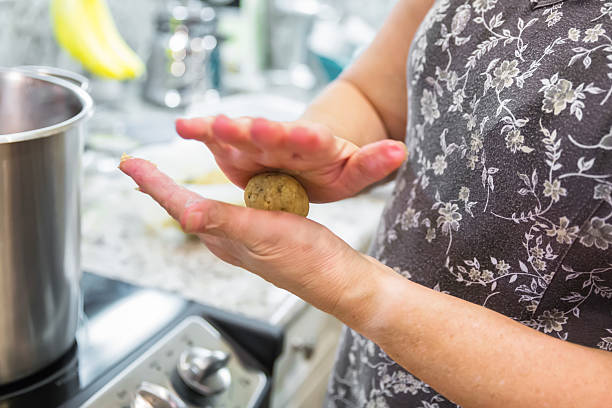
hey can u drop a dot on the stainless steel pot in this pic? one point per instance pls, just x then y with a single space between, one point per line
41 120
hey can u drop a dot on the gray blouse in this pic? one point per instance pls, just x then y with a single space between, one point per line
506 200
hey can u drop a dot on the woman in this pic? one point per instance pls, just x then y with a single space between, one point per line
490 281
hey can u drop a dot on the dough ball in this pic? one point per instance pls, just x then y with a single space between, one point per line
276 192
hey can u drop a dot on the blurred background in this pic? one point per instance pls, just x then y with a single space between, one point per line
309 40
188 58
196 52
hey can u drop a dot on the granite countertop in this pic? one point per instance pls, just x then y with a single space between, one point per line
127 236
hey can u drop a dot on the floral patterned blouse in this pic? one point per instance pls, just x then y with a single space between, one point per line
506 200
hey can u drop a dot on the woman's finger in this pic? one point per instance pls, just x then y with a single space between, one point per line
372 163
195 128
234 132
174 198
178 201
266 134
201 129
200 215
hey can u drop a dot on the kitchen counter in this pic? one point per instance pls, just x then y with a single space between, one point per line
127 236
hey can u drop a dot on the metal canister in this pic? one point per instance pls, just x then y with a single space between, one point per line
184 58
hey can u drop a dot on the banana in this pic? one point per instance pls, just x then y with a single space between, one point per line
85 28
100 16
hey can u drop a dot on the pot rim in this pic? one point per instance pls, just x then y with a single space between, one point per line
56 72
85 112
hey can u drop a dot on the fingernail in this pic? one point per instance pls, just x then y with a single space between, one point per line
183 120
399 149
193 221
222 120
404 150
125 157
259 123
181 125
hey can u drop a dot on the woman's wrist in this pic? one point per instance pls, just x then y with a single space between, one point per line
368 296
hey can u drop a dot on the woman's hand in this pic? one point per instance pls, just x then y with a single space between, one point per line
290 251
329 168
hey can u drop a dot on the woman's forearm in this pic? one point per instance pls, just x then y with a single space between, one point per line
368 102
346 111
472 355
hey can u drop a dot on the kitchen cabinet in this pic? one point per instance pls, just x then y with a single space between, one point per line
303 369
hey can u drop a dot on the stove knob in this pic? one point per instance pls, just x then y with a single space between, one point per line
151 395
204 371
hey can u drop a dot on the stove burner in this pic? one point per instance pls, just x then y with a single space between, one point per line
63 370
121 323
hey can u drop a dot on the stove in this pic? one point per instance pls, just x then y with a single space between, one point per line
143 348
